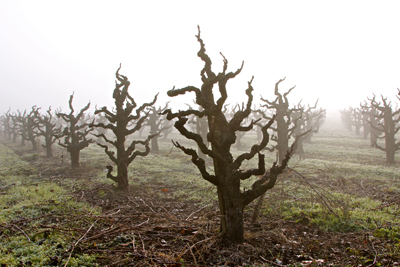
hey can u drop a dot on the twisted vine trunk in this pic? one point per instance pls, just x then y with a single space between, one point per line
122 164
123 176
229 195
49 150
231 206
74 153
283 137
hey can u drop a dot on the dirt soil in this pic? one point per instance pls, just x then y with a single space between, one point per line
142 227
149 227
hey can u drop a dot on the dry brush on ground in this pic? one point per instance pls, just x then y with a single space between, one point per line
338 205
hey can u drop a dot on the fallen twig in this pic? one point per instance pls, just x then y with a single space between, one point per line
22 232
147 205
40 174
133 244
62 229
276 264
194 257
144 250
7 186
192 246
326 204
375 252
361 183
387 205
77 242
114 213
196 212
101 234
140 224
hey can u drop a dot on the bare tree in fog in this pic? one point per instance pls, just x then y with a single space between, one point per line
356 119
6 124
118 122
227 175
156 122
298 116
14 127
201 128
314 118
49 131
100 118
370 115
27 126
387 122
365 117
345 116
284 126
74 133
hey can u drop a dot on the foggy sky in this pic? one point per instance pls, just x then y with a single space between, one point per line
340 51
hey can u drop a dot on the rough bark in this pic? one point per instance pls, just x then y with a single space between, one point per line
22 126
370 114
156 122
74 133
123 123
201 128
387 122
365 124
314 118
356 119
49 131
284 127
100 118
14 127
240 135
300 126
27 126
32 126
227 174
6 123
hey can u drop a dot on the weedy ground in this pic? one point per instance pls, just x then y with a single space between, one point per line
337 205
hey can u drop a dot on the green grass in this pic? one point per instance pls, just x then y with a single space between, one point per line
342 186
350 182
28 201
